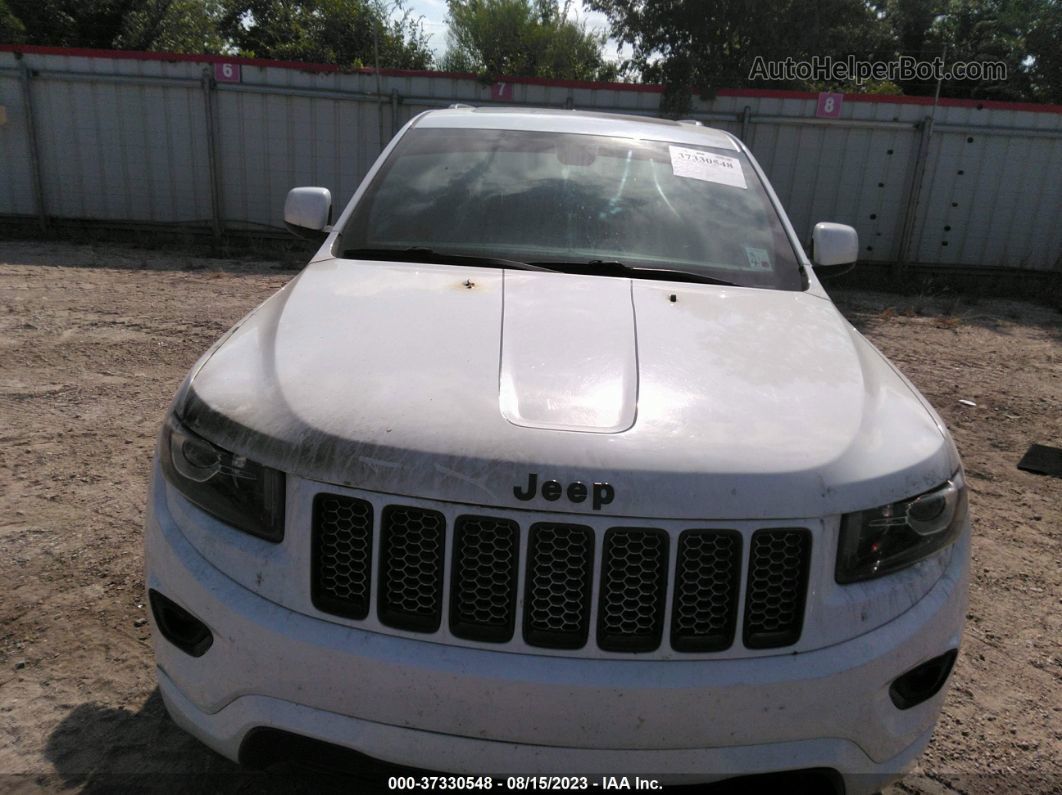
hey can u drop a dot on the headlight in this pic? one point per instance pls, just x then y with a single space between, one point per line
236 490
885 539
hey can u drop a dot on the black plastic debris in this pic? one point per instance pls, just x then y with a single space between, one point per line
1043 460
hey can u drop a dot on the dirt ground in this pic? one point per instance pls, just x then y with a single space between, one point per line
95 339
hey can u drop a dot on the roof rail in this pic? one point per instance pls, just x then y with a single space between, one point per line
691 122
462 106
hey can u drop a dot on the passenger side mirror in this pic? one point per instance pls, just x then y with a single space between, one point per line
308 212
834 248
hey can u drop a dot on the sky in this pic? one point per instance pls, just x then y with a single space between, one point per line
434 13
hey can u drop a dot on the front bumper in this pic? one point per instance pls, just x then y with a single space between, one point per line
482 712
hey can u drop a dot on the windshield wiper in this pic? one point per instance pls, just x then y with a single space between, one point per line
423 254
610 267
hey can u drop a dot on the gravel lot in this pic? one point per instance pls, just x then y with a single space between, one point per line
95 339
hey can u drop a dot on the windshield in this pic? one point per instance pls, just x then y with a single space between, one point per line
557 198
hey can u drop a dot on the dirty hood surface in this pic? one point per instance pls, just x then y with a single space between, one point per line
455 383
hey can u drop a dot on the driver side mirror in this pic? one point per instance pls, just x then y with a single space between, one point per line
308 212
834 248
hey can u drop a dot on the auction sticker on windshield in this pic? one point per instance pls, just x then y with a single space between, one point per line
698 164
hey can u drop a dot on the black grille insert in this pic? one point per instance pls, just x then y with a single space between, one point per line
630 612
412 543
341 547
777 587
707 582
483 583
560 564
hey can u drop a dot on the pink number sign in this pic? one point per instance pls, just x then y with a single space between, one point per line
503 91
829 106
227 72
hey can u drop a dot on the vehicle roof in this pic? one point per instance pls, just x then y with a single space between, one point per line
577 121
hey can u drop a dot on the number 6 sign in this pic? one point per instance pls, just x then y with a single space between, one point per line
829 106
227 72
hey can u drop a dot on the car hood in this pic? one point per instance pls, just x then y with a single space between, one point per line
454 383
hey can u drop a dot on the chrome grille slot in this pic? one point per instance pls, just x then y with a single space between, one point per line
707 582
560 563
483 584
777 587
412 543
630 613
342 555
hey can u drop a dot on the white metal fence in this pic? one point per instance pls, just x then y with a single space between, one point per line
136 138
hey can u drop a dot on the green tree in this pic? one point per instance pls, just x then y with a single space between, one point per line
12 31
968 31
1044 47
347 32
175 25
703 45
523 38
708 44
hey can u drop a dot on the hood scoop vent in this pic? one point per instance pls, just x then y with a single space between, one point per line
569 353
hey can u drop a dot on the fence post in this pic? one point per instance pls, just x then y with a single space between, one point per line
24 78
914 190
746 126
394 111
209 87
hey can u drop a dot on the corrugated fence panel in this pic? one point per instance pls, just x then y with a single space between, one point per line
16 178
1019 227
128 139
122 152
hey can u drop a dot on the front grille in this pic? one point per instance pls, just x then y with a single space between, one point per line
707 581
560 564
342 555
483 587
633 589
411 568
480 597
778 580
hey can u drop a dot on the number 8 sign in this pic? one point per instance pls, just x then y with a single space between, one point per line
829 106
227 72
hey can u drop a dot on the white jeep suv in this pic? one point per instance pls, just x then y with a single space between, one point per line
557 460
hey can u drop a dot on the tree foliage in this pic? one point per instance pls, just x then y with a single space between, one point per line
968 31
523 38
712 44
701 45
693 46
173 25
1044 45
348 32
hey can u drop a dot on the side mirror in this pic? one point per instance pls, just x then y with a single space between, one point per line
308 212
834 248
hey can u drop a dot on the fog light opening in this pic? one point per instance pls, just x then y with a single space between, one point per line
923 682
180 627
